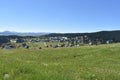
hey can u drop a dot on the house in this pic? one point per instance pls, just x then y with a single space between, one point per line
13 41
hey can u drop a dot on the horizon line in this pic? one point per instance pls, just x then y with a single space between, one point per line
56 32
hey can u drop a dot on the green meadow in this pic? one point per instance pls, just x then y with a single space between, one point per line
101 62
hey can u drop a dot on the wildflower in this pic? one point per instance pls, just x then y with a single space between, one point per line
6 76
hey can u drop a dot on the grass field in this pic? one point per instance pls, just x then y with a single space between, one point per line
100 62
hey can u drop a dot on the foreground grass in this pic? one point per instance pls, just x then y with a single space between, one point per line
83 63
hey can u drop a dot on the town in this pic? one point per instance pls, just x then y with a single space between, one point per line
53 41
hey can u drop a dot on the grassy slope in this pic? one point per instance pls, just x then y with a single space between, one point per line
84 63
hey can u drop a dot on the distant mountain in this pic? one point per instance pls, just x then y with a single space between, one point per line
8 33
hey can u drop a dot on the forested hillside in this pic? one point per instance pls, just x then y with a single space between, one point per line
103 35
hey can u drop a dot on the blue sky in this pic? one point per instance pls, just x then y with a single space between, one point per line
59 15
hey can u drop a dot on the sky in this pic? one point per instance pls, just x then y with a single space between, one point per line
60 16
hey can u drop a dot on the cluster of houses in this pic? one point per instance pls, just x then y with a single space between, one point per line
55 42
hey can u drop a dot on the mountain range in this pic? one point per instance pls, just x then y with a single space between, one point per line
8 33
